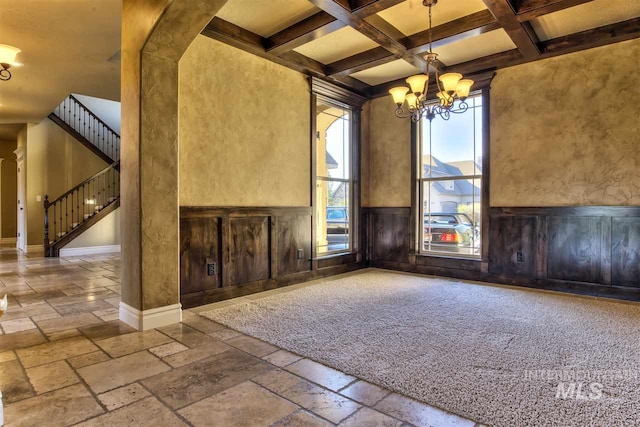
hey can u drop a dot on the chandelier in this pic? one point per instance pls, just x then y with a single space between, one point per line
412 101
7 59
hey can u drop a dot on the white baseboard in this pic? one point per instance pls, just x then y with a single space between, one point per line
150 319
91 250
8 241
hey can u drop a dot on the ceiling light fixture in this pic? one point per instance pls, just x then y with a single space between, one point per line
451 87
7 59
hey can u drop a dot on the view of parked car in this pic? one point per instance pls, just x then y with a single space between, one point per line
448 231
337 227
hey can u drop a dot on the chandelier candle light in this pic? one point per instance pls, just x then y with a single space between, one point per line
451 87
7 59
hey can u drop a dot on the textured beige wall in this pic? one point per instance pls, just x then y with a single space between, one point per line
105 232
244 129
9 190
55 162
565 131
389 151
155 35
138 19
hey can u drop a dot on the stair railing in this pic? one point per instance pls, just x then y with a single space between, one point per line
82 120
70 210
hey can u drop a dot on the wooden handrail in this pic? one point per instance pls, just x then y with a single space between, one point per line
93 115
83 183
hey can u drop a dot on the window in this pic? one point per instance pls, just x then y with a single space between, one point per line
450 154
333 204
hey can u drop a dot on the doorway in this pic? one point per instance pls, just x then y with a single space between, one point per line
21 242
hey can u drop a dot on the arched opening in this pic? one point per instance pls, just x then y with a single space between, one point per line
155 35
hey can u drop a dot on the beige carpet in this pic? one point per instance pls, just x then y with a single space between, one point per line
467 348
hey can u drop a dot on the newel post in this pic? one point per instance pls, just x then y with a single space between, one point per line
47 244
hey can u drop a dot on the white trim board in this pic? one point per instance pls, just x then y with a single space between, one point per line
150 319
90 250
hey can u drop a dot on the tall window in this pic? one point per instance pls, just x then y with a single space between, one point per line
450 180
333 179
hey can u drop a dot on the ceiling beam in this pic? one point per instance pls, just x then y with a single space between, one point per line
601 36
385 27
233 35
458 29
490 62
596 37
337 9
307 30
364 8
468 26
361 61
527 10
521 33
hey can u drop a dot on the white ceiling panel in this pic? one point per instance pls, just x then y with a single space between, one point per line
585 17
386 72
411 16
337 45
475 47
266 17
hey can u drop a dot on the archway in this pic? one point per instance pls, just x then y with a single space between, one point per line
155 35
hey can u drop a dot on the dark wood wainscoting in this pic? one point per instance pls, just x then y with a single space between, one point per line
231 252
586 250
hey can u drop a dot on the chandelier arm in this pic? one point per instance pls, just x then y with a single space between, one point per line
401 114
444 114
5 74
462 107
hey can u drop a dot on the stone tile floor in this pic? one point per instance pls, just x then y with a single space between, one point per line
66 359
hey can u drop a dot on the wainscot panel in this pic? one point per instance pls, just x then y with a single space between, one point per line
586 250
249 250
625 252
199 252
230 252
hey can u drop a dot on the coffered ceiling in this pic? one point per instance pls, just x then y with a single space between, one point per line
410 16
371 45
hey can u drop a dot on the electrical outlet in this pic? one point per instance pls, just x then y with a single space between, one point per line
520 256
211 269
300 253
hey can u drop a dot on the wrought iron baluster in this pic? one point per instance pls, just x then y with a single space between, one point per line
46 225
72 219
66 214
78 220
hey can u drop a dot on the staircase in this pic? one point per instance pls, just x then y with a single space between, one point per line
68 216
72 116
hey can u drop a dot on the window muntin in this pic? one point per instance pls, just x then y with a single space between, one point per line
450 160
333 206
